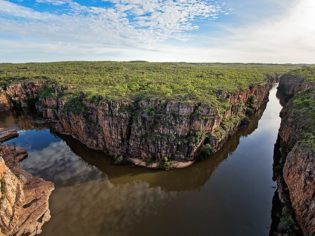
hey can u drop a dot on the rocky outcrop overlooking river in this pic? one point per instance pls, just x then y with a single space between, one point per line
24 206
295 165
150 132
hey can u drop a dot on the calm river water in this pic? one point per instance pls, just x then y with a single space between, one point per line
227 194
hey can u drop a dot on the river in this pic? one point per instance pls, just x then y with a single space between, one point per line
230 193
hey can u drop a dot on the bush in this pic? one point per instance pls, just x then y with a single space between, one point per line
47 92
252 100
205 151
287 222
118 160
165 164
75 104
250 111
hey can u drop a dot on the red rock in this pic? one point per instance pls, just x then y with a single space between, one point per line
24 206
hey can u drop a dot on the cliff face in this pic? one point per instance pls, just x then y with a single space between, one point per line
296 166
19 96
146 131
290 85
23 198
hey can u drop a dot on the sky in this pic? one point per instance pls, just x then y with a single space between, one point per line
264 31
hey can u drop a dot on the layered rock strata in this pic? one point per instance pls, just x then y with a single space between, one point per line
151 132
295 164
24 199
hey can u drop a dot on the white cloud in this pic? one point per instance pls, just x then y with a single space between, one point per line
54 2
138 30
128 23
286 38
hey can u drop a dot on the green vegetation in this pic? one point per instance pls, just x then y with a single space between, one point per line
304 111
47 91
307 73
205 151
251 105
133 80
287 222
75 104
165 164
119 160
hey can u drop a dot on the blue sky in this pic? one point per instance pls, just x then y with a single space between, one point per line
158 30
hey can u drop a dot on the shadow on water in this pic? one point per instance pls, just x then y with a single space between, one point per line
229 193
39 140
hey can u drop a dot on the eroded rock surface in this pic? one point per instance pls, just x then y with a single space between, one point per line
147 130
296 167
24 206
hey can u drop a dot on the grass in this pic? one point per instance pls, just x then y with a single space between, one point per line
131 80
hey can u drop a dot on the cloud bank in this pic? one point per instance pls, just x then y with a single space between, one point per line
154 30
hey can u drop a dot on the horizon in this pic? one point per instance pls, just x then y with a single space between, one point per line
162 62
179 31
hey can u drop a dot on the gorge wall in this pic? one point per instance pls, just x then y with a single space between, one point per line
294 167
150 132
24 206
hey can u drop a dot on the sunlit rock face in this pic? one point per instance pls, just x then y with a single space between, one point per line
148 129
18 95
297 151
24 206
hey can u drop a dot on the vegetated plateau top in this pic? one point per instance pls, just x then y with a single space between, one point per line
187 82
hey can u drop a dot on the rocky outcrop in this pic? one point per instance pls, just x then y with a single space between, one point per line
19 95
148 131
24 206
295 165
23 198
6 134
291 84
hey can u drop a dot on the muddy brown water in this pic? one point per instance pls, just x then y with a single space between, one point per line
230 193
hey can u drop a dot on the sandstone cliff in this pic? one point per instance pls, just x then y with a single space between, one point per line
24 206
295 165
151 132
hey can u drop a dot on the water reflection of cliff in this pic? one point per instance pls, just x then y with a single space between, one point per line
191 178
49 156
22 120
94 207
94 197
58 163
130 194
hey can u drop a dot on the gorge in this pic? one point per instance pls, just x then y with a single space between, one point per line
164 134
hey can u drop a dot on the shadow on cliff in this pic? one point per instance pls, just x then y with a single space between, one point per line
191 178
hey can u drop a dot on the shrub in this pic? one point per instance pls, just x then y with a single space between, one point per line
118 160
47 92
205 151
252 100
165 164
75 104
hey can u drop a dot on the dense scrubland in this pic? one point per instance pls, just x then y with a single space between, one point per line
307 73
131 80
304 105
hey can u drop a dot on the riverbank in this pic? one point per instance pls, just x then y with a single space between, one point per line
99 197
150 129
24 199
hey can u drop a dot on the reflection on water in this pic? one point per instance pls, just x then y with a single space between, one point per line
227 194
